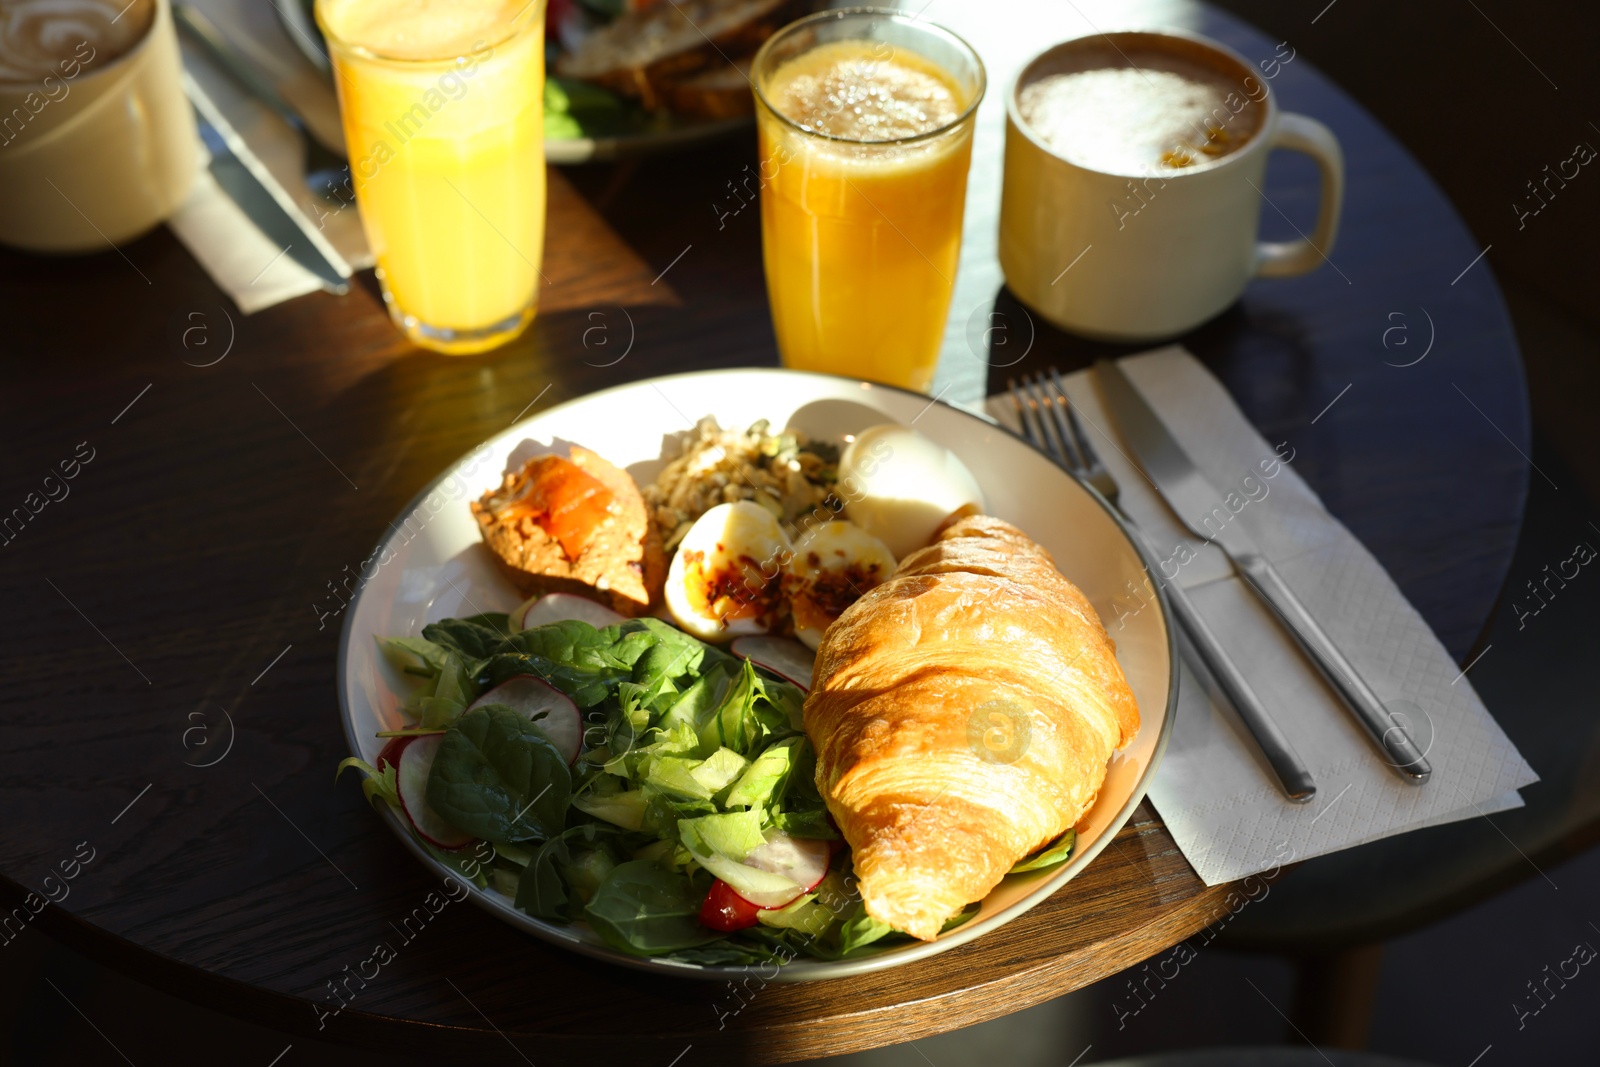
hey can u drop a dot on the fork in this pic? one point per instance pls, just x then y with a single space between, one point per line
1048 422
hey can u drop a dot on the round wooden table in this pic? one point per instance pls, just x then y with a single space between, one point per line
171 589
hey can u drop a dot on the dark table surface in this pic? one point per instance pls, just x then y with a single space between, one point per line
176 578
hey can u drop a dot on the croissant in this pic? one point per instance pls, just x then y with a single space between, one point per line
963 716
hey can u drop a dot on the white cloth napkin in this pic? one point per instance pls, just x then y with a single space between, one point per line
1213 789
219 232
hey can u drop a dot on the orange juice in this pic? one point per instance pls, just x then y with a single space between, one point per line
865 148
442 103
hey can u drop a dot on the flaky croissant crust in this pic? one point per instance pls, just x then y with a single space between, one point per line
963 716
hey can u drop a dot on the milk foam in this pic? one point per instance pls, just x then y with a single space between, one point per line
38 36
1161 114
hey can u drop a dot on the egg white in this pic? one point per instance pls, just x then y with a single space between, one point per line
899 486
832 548
742 539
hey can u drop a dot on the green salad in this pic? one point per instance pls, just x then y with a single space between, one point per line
629 777
574 109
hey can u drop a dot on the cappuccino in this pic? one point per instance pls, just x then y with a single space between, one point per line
42 39
1140 109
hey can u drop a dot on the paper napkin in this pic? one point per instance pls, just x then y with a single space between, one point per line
1213 789
220 231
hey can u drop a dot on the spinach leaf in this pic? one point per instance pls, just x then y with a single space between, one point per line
646 911
498 621
1058 851
543 888
498 777
661 665
584 663
541 891
859 931
472 639
726 952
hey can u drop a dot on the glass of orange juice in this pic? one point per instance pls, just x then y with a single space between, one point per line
443 110
865 119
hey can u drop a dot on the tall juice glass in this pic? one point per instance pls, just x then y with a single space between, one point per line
443 109
865 120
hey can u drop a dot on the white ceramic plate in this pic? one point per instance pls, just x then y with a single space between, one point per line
433 566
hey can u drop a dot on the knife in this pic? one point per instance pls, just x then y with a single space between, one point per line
246 190
242 179
1193 499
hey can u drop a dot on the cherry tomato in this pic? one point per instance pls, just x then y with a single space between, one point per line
726 910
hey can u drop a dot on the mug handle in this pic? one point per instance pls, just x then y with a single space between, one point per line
1283 259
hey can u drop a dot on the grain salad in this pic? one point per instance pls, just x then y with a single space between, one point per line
783 472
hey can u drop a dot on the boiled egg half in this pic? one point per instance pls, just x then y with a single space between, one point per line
726 578
899 486
834 563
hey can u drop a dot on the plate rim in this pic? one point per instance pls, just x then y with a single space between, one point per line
808 969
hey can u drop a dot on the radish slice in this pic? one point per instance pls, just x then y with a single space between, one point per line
561 607
416 759
789 660
802 860
775 874
389 755
531 695
764 889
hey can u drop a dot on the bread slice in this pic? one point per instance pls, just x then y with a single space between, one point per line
645 53
721 92
620 562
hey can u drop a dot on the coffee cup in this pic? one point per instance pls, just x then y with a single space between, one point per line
1132 195
97 140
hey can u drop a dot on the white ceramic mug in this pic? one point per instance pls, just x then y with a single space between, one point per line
1146 256
99 151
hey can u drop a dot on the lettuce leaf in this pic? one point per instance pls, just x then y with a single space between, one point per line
718 769
376 785
732 834
402 650
812 824
762 782
674 776
624 809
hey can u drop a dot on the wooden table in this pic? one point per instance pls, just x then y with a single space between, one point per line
213 505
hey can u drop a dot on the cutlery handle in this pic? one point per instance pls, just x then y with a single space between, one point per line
1286 764
1399 750
203 30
